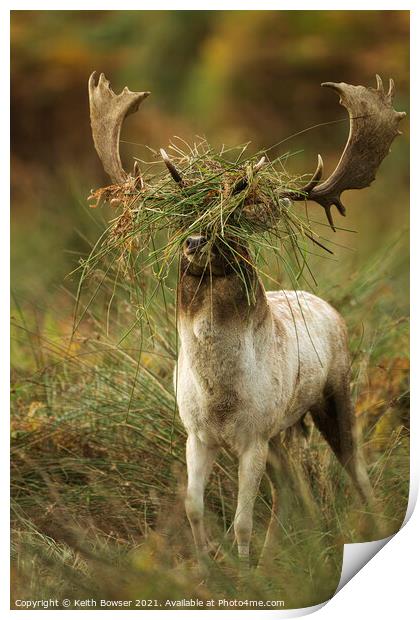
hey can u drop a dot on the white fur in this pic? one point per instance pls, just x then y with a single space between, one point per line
240 383
275 377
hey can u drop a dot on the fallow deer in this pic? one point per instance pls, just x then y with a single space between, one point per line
249 370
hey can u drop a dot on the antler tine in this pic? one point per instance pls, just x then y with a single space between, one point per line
259 165
107 114
379 84
373 127
243 183
302 194
175 174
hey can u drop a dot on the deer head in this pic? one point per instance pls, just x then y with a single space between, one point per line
373 127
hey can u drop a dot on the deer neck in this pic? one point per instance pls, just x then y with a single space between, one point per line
228 301
223 323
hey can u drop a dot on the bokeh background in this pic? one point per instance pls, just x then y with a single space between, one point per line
233 77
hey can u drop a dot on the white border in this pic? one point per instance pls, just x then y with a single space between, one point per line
387 585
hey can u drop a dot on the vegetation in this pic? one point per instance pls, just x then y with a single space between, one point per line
222 195
98 469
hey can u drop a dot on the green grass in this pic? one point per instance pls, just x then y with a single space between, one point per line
98 469
220 197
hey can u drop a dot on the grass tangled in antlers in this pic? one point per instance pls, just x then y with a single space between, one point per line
220 197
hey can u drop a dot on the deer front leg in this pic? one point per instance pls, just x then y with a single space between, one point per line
200 459
252 465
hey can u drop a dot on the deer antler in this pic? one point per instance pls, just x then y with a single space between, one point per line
107 114
175 173
373 127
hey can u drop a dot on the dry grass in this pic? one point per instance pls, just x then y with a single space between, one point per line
98 466
220 197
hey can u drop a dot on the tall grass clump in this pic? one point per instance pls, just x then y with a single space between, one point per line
221 196
98 468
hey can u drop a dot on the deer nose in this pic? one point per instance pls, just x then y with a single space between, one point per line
192 244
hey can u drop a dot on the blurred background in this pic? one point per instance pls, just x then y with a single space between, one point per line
98 451
231 76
